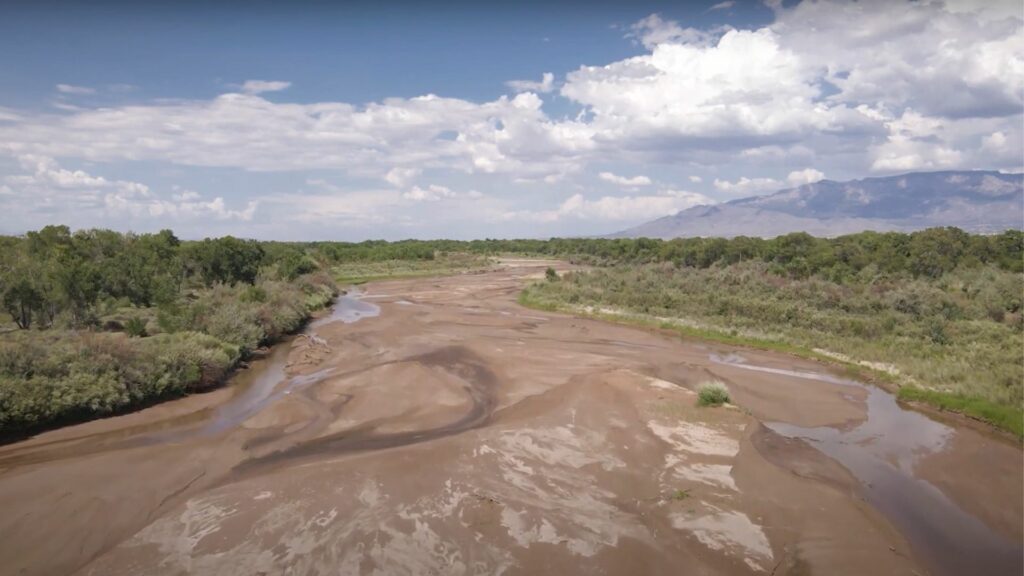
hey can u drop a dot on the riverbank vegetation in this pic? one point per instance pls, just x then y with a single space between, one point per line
942 317
96 322
102 322
442 264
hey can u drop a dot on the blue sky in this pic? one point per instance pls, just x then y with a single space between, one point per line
371 120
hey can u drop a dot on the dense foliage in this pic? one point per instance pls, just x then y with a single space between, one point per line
112 321
61 375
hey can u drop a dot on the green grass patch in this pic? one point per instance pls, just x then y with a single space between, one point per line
713 394
360 272
1005 417
680 495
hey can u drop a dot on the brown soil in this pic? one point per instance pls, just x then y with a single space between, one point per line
459 433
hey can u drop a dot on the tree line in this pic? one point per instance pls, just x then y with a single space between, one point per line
54 272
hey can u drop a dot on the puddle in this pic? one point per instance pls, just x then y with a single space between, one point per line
881 453
348 308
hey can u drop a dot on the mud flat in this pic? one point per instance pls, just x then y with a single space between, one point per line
433 426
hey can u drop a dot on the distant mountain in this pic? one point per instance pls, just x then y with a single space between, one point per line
976 201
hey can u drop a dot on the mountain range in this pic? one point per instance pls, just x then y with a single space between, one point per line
975 201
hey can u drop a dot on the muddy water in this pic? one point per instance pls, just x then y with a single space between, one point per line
882 452
348 308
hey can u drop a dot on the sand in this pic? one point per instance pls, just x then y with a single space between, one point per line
459 433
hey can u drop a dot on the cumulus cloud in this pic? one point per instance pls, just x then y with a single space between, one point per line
261 86
431 193
915 142
805 176
628 182
747 186
546 84
399 177
722 5
751 186
654 30
615 208
44 186
507 135
71 89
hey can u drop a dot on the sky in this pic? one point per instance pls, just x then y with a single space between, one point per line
376 120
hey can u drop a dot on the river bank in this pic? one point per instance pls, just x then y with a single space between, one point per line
458 432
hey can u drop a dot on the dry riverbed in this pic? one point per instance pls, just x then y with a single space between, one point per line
433 426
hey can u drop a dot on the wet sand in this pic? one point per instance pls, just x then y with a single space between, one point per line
459 433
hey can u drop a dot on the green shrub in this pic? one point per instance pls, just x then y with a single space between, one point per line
135 327
712 394
59 375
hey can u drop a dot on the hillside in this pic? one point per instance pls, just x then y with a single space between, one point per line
975 201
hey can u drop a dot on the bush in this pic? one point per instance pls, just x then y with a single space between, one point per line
550 274
135 327
57 375
713 394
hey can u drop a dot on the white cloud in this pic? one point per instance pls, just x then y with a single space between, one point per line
696 179
615 208
722 5
546 84
653 30
71 89
751 186
805 176
747 186
508 135
919 55
399 177
45 186
431 193
915 142
633 182
744 89
261 86
995 142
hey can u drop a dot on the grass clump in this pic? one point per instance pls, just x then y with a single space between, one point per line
713 394
1005 417
680 494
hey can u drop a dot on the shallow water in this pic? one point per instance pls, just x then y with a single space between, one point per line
269 383
266 383
881 453
348 308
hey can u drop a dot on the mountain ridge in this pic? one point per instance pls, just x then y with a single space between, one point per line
981 201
